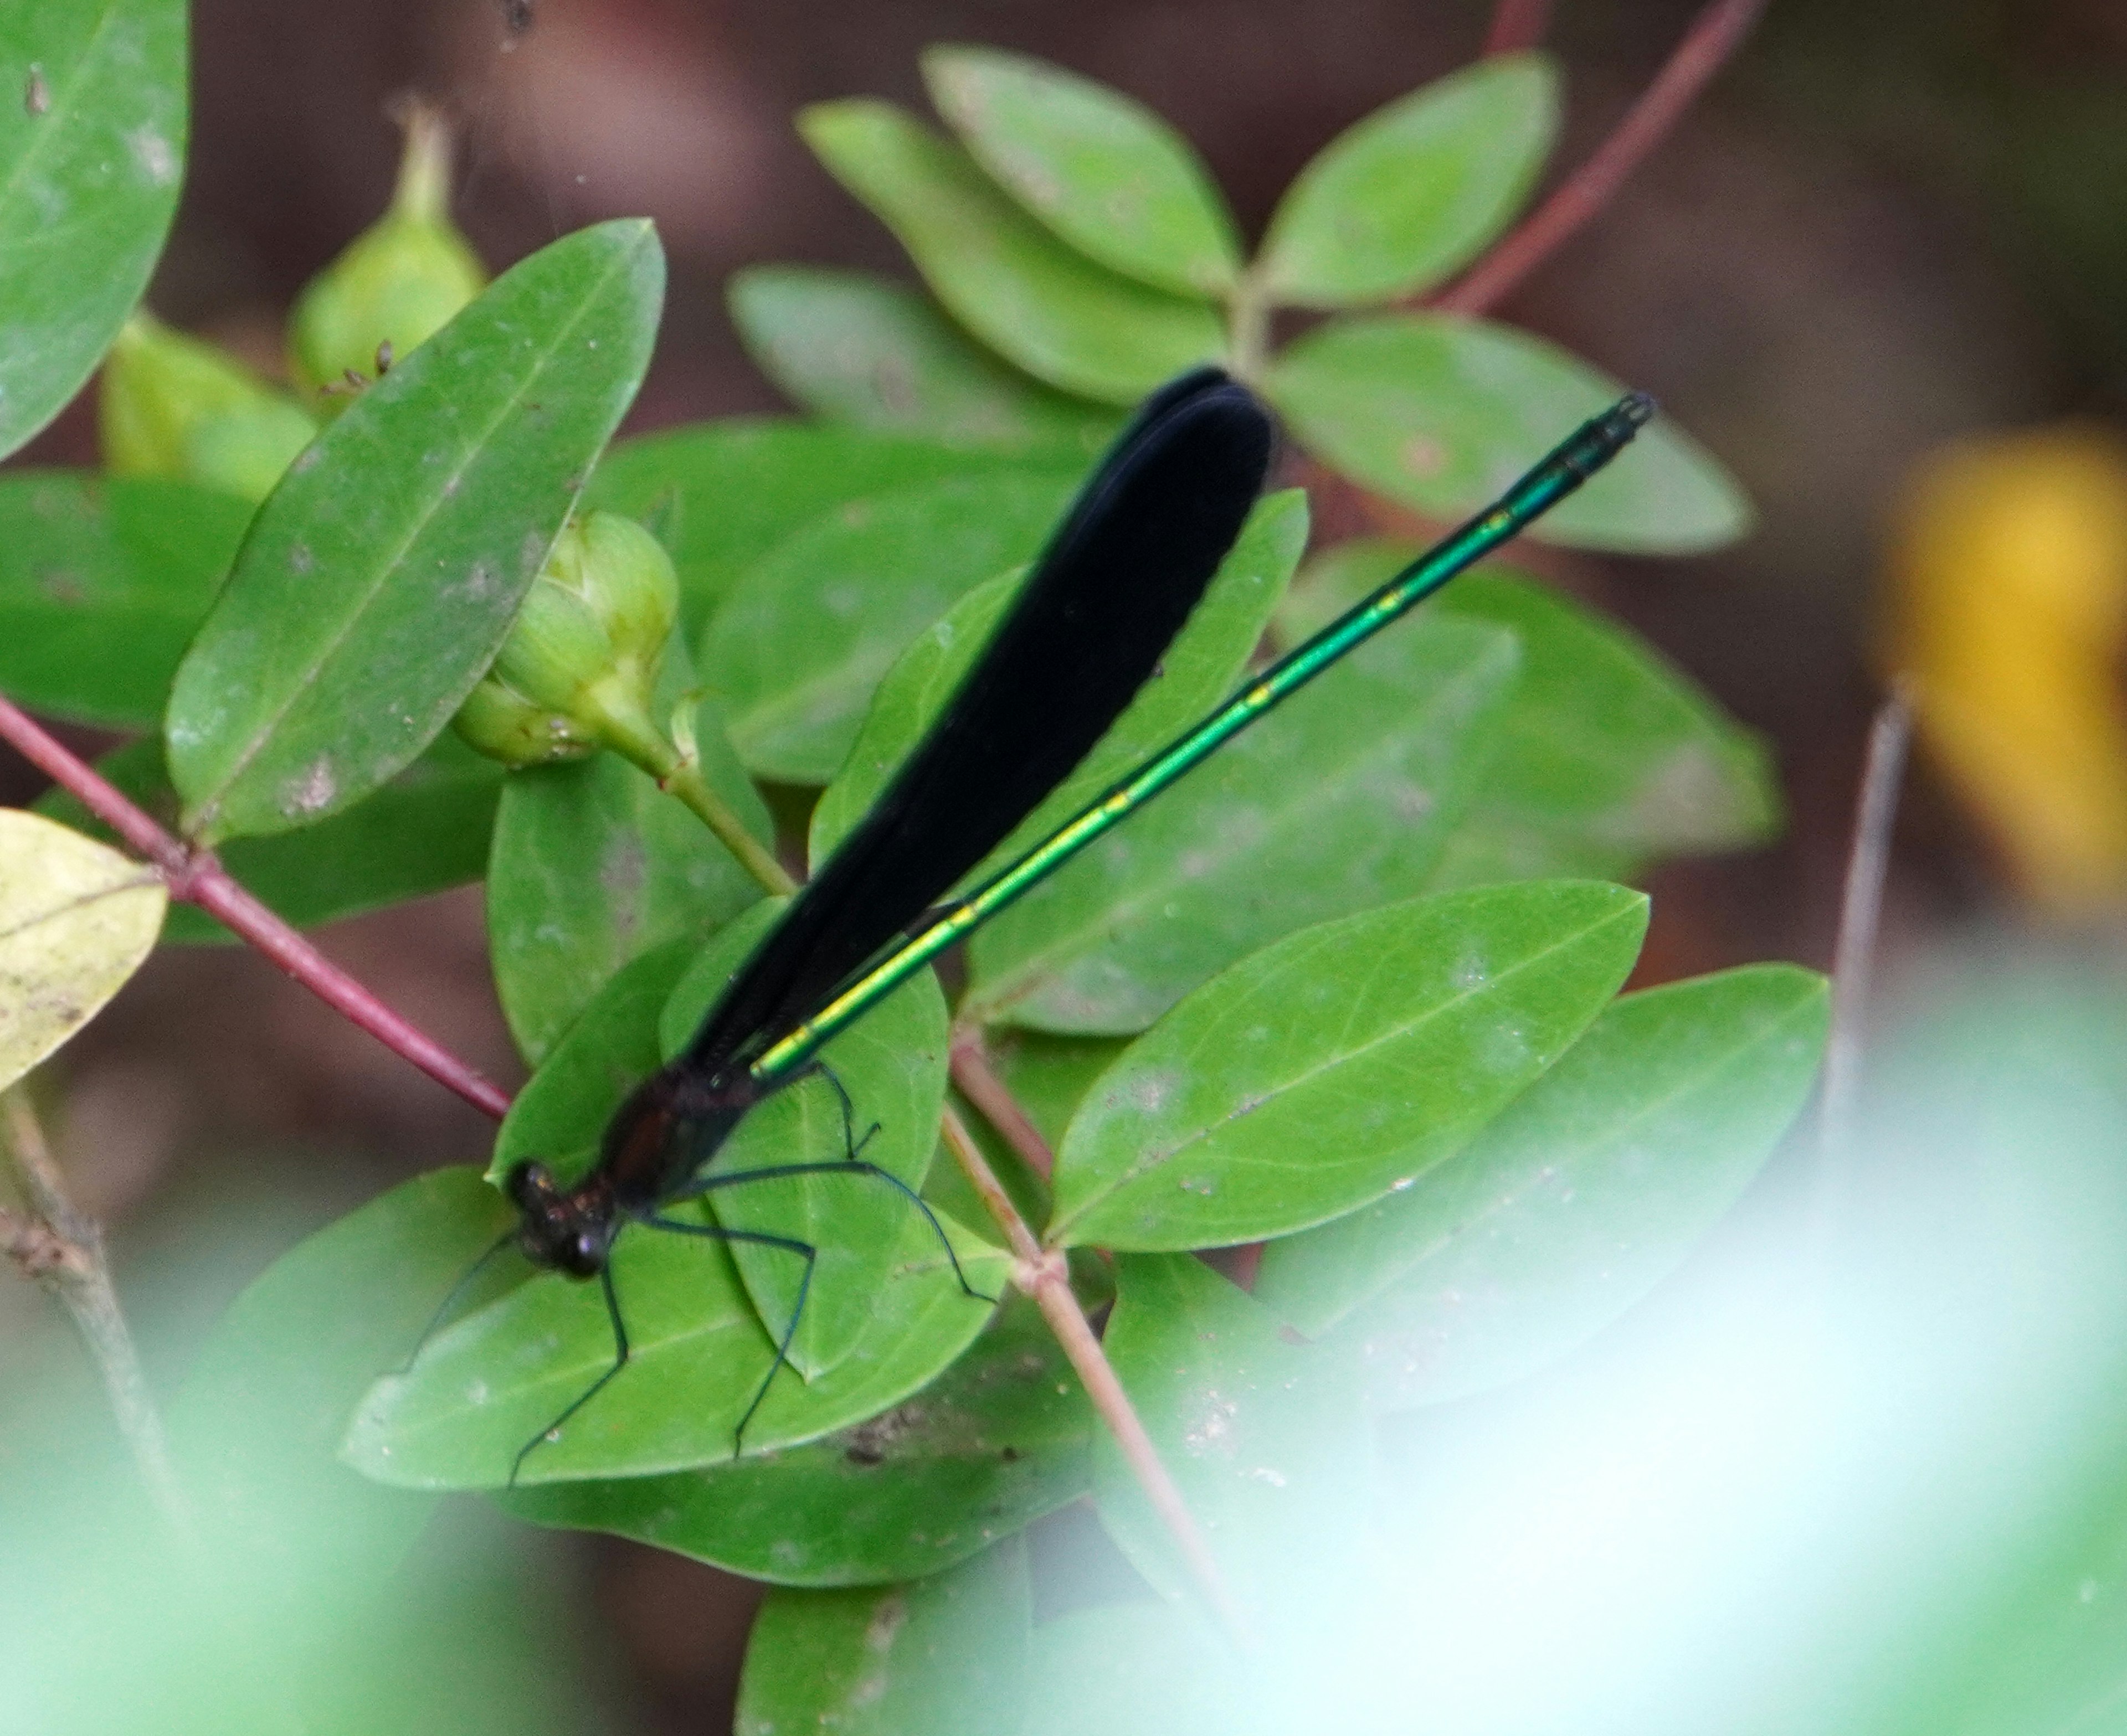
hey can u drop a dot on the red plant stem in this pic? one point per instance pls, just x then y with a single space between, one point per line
195 877
1713 36
1517 24
976 1077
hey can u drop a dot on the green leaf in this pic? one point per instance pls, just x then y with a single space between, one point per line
944 1656
383 573
1035 301
1414 191
102 584
498 1377
720 495
1101 170
1609 756
797 646
610 1048
1003 1436
1263 1438
1589 1190
425 831
294 1355
1341 802
1441 413
593 865
76 919
91 152
861 350
1199 668
1338 1064
891 1064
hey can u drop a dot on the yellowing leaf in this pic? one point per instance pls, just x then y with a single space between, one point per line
76 919
2008 606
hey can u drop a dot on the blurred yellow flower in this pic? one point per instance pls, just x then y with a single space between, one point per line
2007 605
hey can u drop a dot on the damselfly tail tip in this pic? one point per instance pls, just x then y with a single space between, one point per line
1636 409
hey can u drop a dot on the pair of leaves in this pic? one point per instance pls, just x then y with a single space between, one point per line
1670 1101
1076 235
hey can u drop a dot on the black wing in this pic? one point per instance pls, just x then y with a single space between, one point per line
1085 632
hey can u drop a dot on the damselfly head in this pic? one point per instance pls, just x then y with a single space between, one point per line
568 1230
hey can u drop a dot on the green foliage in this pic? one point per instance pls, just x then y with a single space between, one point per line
1350 990
103 585
1412 191
858 349
92 152
429 507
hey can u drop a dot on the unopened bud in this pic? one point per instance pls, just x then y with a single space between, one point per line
579 666
396 284
173 406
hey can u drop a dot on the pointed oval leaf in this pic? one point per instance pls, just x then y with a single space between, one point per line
891 1064
1414 191
1002 1437
492 1380
798 645
1590 1188
945 1656
855 347
1264 1437
76 919
103 582
721 495
1343 802
1441 412
1337 1064
1034 301
92 152
381 576
425 831
1100 168
1609 757
593 865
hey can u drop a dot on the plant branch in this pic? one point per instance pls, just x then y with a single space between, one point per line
1042 1274
678 772
1517 24
976 1076
1860 913
195 877
63 1250
1713 37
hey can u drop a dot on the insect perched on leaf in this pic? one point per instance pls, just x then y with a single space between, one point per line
1085 631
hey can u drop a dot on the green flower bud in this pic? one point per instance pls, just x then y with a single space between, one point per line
579 666
397 283
173 406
